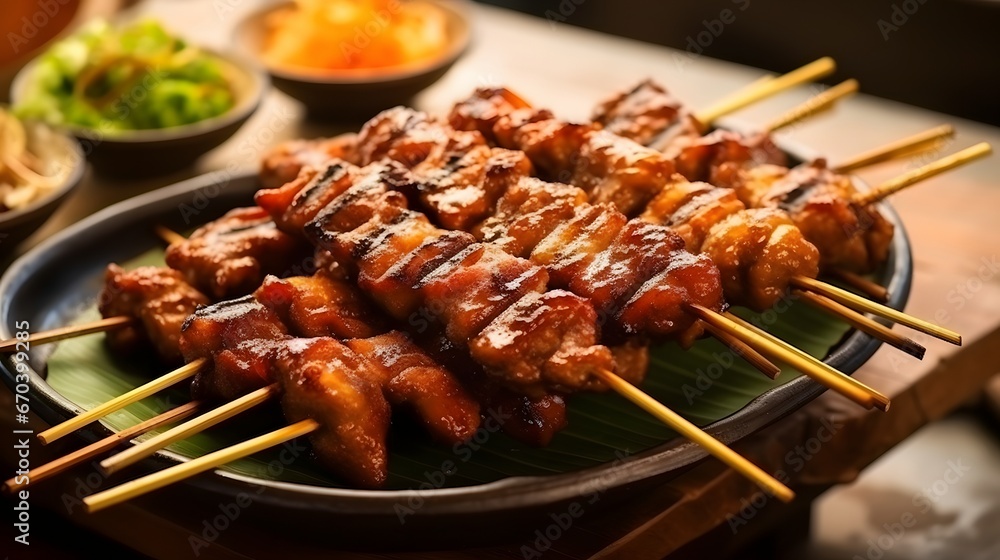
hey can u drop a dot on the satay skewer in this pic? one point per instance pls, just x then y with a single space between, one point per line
874 291
148 483
932 169
74 458
920 142
777 349
176 376
813 106
168 235
711 445
864 324
861 304
766 88
62 333
745 351
224 412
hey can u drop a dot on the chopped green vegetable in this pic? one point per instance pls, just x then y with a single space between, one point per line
136 77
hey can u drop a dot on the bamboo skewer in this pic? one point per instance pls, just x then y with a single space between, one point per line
744 351
169 236
893 186
863 305
920 142
766 88
879 400
71 331
693 433
176 473
864 324
860 283
121 401
814 106
65 462
777 349
138 452
676 422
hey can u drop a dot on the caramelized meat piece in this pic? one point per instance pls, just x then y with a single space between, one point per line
158 298
649 115
371 200
414 138
378 247
691 210
283 163
294 204
321 306
642 113
632 359
459 177
552 146
696 157
544 341
638 253
532 420
453 191
326 381
483 108
758 251
230 256
475 286
661 304
848 236
572 246
401 283
527 212
609 168
415 381
464 191
240 338
617 171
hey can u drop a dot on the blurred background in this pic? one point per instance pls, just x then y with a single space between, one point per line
937 54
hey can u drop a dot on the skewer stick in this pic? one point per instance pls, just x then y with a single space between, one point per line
754 84
777 349
814 106
169 236
864 324
920 142
138 452
693 433
812 71
879 400
62 333
121 401
63 463
863 305
893 186
743 350
176 473
874 291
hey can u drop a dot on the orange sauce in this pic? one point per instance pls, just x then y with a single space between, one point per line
355 34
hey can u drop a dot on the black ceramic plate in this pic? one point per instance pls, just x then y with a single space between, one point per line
49 286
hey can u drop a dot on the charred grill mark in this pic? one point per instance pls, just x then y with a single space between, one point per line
700 200
320 183
793 199
380 234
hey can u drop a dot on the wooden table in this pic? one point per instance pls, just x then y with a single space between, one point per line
952 221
